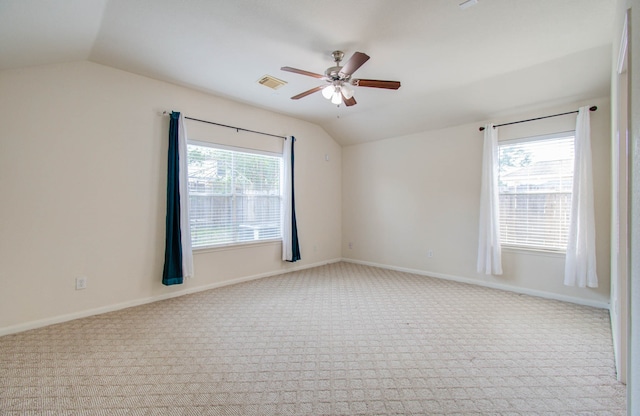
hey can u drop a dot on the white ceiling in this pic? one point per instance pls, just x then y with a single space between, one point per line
456 66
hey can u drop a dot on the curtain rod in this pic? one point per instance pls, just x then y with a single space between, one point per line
237 129
592 108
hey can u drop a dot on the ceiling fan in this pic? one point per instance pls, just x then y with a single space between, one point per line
338 78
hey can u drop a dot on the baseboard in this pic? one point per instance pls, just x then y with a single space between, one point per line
508 288
137 302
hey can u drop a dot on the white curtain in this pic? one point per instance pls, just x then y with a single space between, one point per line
290 245
185 228
580 263
489 249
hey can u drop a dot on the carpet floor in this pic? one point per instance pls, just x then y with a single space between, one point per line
341 339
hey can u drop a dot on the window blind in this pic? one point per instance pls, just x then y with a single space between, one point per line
535 186
234 195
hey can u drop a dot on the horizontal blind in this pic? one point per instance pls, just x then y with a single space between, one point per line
234 195
535 185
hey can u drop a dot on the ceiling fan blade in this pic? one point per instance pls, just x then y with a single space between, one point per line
355 62
304 94
349 101
301 72
375 83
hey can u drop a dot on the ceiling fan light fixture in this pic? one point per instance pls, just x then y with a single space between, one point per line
347 90
337 97
327 92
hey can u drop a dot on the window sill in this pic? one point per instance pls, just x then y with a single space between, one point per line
533 251
236 246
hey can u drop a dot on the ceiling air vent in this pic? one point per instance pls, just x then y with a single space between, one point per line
271 82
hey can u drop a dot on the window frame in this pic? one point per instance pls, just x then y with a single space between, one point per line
523 247
239 149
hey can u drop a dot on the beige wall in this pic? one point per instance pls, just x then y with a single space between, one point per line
82 179
633 367
82 182
407 195
619 191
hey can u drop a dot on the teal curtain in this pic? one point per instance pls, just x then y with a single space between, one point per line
172 274
295 246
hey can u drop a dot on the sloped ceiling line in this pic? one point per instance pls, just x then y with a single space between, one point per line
456 66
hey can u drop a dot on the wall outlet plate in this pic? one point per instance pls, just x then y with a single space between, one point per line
81 283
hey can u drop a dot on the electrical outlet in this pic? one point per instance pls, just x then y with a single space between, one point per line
430 253
81 283
350 245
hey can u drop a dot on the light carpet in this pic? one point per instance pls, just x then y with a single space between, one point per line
341 339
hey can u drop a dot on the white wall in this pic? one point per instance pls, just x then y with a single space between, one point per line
619 191
83 177
407 195
633 369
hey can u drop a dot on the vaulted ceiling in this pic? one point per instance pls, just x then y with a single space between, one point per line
456 65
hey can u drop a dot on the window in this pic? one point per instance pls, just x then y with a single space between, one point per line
234 195
535 184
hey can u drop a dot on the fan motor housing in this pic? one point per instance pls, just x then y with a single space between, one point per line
333 73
